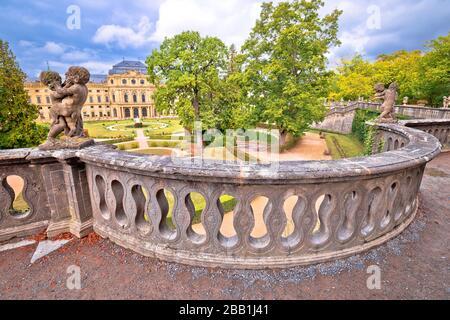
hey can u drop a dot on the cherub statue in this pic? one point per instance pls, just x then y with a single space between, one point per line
62 106
446 103
405 101
389 96
67 101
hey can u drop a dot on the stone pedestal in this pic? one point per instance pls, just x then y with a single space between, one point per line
68 195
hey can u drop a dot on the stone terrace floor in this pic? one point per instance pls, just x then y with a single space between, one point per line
415 265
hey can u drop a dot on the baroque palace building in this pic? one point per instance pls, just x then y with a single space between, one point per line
124 93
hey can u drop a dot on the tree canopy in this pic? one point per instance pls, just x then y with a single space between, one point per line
17 116
188 71
420 75
284 63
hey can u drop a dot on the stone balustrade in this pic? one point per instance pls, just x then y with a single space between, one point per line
54 188
412 111
311 211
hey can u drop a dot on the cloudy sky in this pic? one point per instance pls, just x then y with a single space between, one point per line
100 33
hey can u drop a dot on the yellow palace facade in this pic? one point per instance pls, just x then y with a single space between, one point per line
124 93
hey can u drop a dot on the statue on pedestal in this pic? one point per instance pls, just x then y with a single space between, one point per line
389 96
405 101
67 101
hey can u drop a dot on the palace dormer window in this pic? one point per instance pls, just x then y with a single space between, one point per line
142 81
124 81
133 81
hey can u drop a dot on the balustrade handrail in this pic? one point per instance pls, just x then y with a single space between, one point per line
420 147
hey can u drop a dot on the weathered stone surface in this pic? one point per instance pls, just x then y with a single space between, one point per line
67 100
340 117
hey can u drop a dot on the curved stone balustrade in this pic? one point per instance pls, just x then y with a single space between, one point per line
415 112
439 128
311 211
340 208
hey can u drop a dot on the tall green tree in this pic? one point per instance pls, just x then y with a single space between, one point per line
188 71
285 64
357 77
435 71
401 67
17 116
353 80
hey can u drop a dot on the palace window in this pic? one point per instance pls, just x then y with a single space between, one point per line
142 81
124 81
134 98
99 99
38 99
133 81
91 99
125 97
47 99
114 97
143 98
107 99
112 81
93 114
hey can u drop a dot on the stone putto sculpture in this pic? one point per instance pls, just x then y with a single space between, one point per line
389 96
446 103
405 101
67 101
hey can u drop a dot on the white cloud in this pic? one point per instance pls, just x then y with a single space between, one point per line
124 37
53 48
26 44
97 67
77 55
230 20
94 67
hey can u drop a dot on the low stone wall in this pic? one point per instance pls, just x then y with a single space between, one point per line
55 189
340 117
341 207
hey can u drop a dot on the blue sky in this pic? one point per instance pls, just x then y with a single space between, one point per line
111 30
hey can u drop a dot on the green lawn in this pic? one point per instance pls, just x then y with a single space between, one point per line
343 146
125 128
19 205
